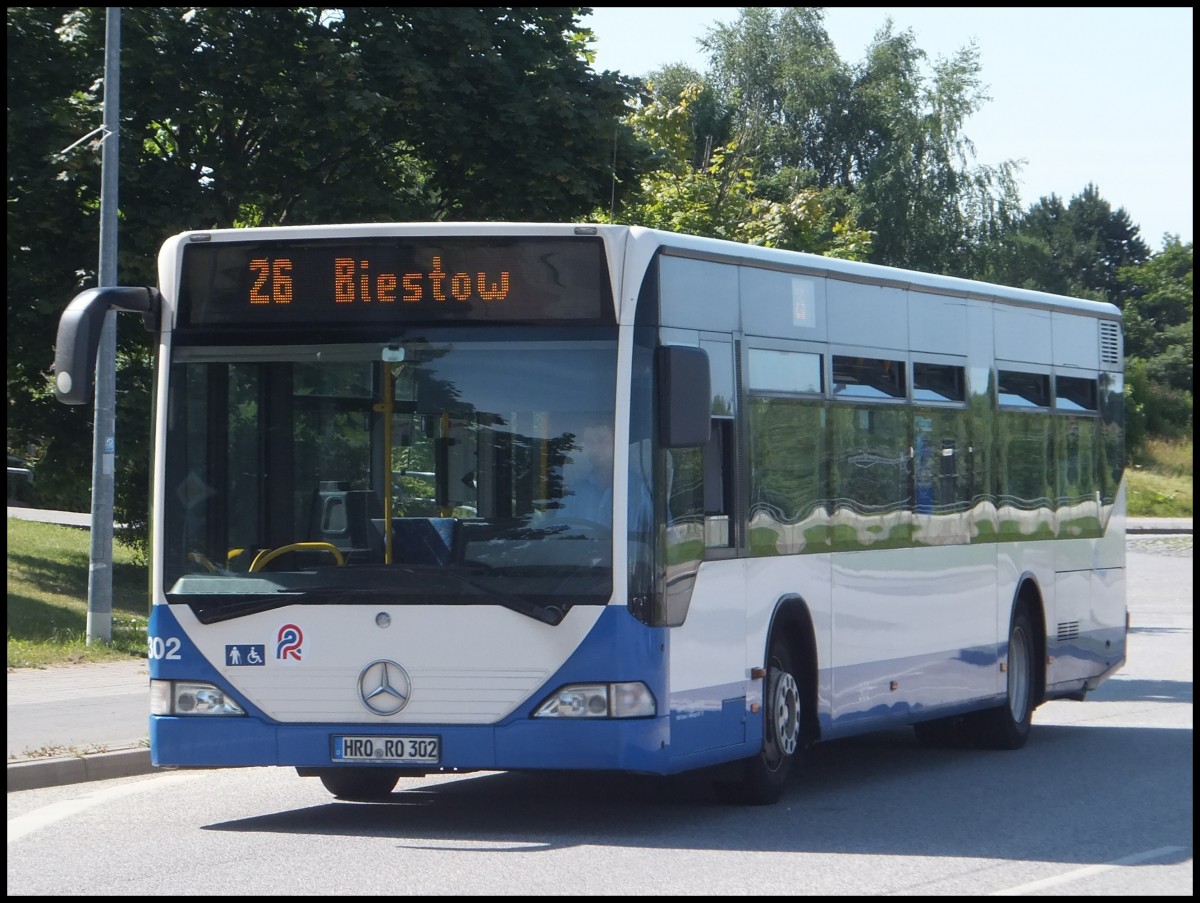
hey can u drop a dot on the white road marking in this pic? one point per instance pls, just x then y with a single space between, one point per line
26 824
1076 874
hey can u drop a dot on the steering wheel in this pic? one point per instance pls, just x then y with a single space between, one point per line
266 555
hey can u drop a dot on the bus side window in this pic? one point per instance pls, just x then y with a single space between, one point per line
718 466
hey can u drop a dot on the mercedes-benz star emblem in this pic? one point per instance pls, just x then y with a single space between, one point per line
384 687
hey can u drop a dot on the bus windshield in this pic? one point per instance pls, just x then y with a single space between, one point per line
457 471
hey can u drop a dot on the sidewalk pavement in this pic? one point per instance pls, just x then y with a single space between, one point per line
75 723
90 722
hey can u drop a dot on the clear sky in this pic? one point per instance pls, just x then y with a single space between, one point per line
1081 95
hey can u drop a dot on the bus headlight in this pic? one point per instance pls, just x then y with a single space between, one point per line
184 697
621 700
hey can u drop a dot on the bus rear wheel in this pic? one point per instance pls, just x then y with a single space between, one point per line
360 783
763 778
1008 726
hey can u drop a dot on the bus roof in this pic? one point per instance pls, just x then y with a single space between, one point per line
620 236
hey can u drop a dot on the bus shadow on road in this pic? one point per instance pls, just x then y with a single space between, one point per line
881 794
1121 690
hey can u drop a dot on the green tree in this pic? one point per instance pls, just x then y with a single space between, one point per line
1159 325
1105 241
710 122
501 103
921 194
719 198
1158 305
885 135
1073 249
53 220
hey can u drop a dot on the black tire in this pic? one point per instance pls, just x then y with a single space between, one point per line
762 778
1008 726
360 783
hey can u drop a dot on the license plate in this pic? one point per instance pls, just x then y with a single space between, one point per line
387 749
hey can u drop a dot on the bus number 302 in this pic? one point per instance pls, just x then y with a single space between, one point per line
168 648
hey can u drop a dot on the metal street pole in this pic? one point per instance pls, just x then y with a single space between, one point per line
99 615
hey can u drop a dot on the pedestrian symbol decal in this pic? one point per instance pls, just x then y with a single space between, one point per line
243 654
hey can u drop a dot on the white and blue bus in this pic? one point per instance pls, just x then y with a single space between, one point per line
836 498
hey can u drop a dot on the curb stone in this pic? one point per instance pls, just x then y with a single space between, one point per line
33 774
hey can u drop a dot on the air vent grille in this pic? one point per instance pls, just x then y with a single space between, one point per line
1110 343
1068 630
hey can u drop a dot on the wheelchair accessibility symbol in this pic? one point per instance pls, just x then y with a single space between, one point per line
245 654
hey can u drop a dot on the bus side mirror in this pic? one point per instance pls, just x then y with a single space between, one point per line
79 334
684 396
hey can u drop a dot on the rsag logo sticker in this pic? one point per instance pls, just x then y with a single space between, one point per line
288 643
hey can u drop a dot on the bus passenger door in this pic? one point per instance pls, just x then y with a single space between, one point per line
708 671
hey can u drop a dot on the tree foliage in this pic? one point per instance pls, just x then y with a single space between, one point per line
1076 248
1159 327
717 196
53 220
1158 308
885 134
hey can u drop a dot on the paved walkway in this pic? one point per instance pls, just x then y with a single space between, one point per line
76 723
93 707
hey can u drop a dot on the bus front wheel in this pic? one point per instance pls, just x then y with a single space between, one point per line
360 783
763 777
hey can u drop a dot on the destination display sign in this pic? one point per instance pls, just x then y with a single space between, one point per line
394 280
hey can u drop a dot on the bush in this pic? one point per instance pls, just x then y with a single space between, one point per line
1153 408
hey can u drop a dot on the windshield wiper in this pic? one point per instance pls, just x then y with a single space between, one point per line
547 614
210 608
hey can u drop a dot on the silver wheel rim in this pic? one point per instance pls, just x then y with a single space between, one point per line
785 714
1018 675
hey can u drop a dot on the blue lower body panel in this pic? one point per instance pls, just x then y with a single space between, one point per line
627 745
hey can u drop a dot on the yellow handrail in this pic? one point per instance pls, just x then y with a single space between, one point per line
261 559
